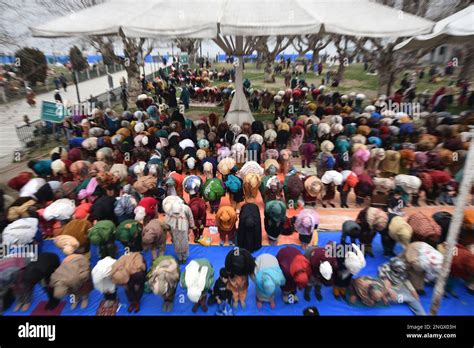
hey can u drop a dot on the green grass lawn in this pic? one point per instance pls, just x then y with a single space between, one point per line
355 80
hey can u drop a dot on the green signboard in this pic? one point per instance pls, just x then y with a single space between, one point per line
183 58
53 112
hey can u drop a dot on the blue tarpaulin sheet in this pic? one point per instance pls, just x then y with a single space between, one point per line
151 304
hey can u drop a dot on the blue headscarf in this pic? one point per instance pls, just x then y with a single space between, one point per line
268 279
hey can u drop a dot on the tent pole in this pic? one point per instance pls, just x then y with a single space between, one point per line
239 111
454 227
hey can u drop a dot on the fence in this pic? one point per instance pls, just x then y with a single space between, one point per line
29 134
16 89
38 133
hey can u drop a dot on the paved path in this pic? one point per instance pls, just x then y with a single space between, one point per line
11 114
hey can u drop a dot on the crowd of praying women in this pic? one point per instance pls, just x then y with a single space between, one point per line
140 179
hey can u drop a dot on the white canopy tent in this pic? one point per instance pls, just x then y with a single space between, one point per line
455 29
234 24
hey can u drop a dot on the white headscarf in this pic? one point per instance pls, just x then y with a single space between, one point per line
101 276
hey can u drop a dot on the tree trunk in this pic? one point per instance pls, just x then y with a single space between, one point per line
134 87
340 70
386 70
468 64
260 60
384 80
132 67
315 57
270 59
192 57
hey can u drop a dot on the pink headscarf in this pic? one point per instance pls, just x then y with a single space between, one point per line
306 221
88 191
358 160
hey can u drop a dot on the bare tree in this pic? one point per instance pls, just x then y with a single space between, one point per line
343 44
314 42
268 49
134 49
388 61
190 46
10 36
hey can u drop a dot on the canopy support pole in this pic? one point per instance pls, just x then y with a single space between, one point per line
239 111
454 227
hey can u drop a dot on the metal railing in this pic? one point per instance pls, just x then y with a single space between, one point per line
16 90
31 134
39 132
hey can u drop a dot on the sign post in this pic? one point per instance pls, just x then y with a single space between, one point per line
53 112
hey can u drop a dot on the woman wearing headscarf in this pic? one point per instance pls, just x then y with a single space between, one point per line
359 159
394 273
425 229
407 159
370 221
284 161
423 264
103 209
275 217
350 229
349 181
326 160
313 189
364 188
271 167
323 268
462 267
239 264
370 292
154 237
293 187
306 222
102 280
400 231
130 271
251 187
180 219
410 185
441 179
267 276
443 219
163 279
297 271
73 276
350 261
331 179
377 155
249 232
296 139
125 204
197 279
212 191
226 218
307 151
234 186
391 163
11 269
381 193
37 272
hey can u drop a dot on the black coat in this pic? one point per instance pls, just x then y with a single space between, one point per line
40 269
240 262
249 232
